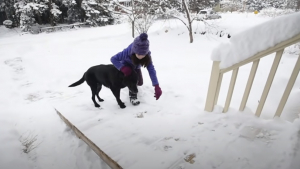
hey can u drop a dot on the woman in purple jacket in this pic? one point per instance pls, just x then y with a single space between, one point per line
136 55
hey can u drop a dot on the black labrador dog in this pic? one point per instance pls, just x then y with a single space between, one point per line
110 77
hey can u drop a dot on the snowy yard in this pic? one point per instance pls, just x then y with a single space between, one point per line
173 132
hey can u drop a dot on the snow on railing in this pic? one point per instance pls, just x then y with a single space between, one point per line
245 49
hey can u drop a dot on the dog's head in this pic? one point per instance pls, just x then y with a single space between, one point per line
131 81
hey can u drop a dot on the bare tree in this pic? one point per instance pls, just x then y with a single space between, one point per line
141 14
185 17
146 12
129 12
189 26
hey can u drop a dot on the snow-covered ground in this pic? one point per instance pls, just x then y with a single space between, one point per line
173 132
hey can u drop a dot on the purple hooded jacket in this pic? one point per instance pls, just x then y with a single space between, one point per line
123 58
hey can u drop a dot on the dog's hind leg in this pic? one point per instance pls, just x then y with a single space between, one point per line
99 86
94 93
116 92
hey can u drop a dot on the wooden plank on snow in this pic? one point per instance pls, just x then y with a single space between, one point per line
109 161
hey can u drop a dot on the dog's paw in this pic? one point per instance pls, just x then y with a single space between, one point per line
122 106
135 102
100 100
97 105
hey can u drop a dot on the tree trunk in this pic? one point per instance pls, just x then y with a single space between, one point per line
132 24
5 15
298 5
82 14
39 19
50 14
191 33
78 2
2 17
189 21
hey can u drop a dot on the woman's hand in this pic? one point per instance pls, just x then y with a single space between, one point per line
158 91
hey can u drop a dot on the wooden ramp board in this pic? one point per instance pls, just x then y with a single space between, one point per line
109 161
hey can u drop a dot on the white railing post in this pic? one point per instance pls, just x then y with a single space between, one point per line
230 90
269 82
249 84
214 87
288 88
218 88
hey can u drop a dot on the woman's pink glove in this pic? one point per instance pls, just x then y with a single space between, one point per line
126 70
158 92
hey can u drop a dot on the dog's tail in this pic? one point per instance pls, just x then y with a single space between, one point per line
78 82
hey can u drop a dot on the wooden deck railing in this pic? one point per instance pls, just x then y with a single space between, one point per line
217 75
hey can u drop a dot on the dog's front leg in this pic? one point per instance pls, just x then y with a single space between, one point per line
116 92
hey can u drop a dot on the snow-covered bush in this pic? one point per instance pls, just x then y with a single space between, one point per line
26 12
94 12
143 24
261 4
120 18
8 23
55 13
75 13
90 12
273 12
232 6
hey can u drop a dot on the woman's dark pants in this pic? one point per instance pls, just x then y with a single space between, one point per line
140 83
